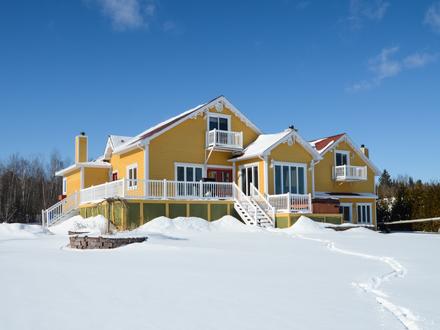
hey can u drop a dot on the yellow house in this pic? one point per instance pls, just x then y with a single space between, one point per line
211 161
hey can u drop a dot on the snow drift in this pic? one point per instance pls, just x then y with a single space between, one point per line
306 225
19 230
92 225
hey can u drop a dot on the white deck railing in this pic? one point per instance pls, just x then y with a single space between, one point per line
157 189
262 202
58 210
350 173
224 139
295 203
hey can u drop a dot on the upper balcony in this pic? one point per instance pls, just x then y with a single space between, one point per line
226 140
346 173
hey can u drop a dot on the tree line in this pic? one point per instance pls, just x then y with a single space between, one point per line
404 198
28 185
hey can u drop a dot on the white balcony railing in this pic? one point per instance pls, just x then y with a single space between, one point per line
224 139
158 189
350 173
291 203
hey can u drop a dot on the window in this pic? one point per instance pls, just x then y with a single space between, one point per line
64 186
345 210
364 213
218 122
132 175
248 175
115 176
290 178
189 173
342 158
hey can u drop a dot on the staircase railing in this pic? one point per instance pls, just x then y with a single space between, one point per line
58 210
245 202
262 202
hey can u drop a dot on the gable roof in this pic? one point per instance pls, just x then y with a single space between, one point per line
162 127
266 142
114 142
329 143
321 145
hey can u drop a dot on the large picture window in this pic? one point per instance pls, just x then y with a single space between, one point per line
290 178
189 173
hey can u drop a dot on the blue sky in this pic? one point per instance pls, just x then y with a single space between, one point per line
368 68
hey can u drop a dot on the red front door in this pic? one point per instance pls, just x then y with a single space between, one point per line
114 176
220 174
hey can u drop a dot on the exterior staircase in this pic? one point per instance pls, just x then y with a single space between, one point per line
254 210
64 209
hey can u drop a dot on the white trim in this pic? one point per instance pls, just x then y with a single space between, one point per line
217 115
244 167
266 174
347 139
349 205
191 114
278 163
132 185
82 165
342 152
370 221
64 188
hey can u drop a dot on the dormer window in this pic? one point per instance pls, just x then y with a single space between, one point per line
219 122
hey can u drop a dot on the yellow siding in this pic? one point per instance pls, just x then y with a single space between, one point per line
185 143
324 174
120 163
73 182
294 153
95 176
81 149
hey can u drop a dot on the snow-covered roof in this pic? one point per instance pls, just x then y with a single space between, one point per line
93 164
118 140
266 142
163 126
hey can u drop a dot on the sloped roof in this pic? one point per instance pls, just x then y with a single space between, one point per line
323 144
266 142
118 140
92 164
161 127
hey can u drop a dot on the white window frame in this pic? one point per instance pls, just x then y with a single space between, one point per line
64 188
245 166
304 165
218 115
185 165
350 206
343 152
132 183
369 221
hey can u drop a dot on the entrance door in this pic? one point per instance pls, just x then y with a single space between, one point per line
249 174
345 210
220 174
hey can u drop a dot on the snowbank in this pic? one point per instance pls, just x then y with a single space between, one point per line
306 225
19 230
92 225
191 225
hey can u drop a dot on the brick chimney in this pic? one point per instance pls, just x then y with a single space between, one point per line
81 148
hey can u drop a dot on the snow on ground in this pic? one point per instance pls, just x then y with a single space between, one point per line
192 274
94 225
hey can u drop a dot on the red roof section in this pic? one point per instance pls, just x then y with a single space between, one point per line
322 144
